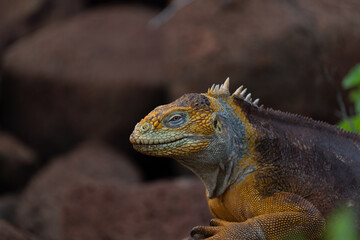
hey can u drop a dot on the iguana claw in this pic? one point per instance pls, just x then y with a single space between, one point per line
203 232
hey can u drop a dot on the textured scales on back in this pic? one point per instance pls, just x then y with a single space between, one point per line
268 174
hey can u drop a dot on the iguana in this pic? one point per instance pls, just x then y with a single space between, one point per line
268 174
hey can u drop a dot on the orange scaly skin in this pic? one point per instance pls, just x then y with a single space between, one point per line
268 174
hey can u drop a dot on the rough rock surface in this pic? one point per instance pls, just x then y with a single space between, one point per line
8 232
20 17
57 10
39 209
14 16
8 205
282 51
17 162
94 75
159 210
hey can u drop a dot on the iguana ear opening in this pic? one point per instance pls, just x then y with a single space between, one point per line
217 126
221 124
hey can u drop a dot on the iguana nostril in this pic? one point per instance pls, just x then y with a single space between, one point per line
145 127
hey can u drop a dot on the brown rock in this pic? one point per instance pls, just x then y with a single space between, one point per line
13 19
17 162
8 205
280 50
8 232
20 17
94 75
55 10
39 209
159 210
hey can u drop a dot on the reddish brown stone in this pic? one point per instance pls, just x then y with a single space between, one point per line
55 10
160 210
94 75
8 204
17 162
8 232
39 210
20 17
13 19
280 50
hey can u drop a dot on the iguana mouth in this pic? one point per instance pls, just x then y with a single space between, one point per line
156 142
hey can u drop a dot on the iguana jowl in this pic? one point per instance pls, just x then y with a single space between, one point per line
268 174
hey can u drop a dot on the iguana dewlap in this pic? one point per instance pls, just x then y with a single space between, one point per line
268 174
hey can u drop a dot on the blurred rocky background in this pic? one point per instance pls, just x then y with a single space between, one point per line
77 75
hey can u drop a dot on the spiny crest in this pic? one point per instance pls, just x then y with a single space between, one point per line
223 90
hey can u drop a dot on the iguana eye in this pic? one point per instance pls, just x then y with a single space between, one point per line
175 120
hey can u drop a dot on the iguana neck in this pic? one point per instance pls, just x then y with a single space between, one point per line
227 160
220 171
229 157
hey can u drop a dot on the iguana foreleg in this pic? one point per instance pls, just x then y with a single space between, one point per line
285 225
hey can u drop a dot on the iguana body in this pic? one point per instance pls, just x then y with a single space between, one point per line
268 174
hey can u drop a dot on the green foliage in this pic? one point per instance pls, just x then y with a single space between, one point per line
342 225
352 82
355 97
353 78
351 124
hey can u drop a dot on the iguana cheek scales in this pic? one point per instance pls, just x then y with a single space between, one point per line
268 174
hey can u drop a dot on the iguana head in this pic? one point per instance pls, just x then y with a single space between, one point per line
204 132
183 127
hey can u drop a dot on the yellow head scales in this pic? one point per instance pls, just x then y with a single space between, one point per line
192 117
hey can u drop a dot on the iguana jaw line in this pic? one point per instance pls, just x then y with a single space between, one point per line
152 146
155 142
166 146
